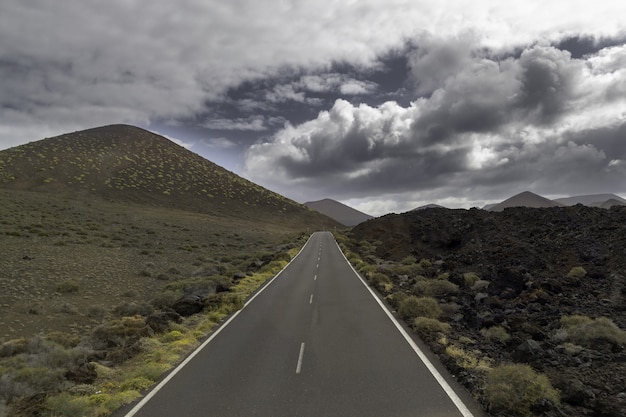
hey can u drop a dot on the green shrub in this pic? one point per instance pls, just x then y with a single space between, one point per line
496 333
426 326
40 379
468 359
512 389
133 309
396 299
67 405
420 307
587 332
425 263
470 278
435 288
577 272
67 287
380 281
409 260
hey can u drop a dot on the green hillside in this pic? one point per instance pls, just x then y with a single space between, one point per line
127 164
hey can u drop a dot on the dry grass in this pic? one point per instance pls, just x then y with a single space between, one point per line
112 254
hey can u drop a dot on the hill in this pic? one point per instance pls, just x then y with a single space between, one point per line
525 199
525 285
428 206
340 212
593 200
123 163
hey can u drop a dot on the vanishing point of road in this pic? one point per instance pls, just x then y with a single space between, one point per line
314 342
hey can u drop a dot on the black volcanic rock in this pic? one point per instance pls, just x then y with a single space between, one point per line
535 266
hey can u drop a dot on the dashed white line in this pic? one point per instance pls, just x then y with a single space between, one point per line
300 357
311 299
315 277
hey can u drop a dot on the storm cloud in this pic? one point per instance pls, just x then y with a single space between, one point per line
507 124
403 101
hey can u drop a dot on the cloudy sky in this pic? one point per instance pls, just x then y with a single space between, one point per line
384 105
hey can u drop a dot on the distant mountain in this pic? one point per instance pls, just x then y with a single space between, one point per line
610 203
594 200
340 212
525 199
124 163
427 206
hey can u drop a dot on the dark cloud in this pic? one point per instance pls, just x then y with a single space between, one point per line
504 124
581 45
548 79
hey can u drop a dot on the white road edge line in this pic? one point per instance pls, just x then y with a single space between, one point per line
300 357
438 377
188 359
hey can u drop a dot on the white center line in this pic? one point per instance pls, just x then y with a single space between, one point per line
299 365
311 299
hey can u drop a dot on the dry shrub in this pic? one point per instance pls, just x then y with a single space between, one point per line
587 332
435 288
427 327
496 333
412 307
512 389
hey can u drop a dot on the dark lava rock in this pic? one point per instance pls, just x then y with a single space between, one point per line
528 351
160 320
188 305
84 374
524 255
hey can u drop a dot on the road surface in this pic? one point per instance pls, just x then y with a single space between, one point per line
314 342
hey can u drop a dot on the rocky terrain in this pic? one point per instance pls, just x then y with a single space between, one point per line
539 286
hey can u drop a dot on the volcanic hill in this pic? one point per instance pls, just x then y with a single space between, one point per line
127 164
344 214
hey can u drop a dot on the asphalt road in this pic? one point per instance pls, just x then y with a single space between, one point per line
314 342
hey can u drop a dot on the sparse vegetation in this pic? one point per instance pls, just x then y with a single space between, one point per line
100 275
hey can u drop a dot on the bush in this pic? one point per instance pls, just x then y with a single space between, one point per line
133 309
425 307
512 389
467 360
435 288
396 299
577 272
587 332
426 326
470 278
380 281
497 333
68 287
412 307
